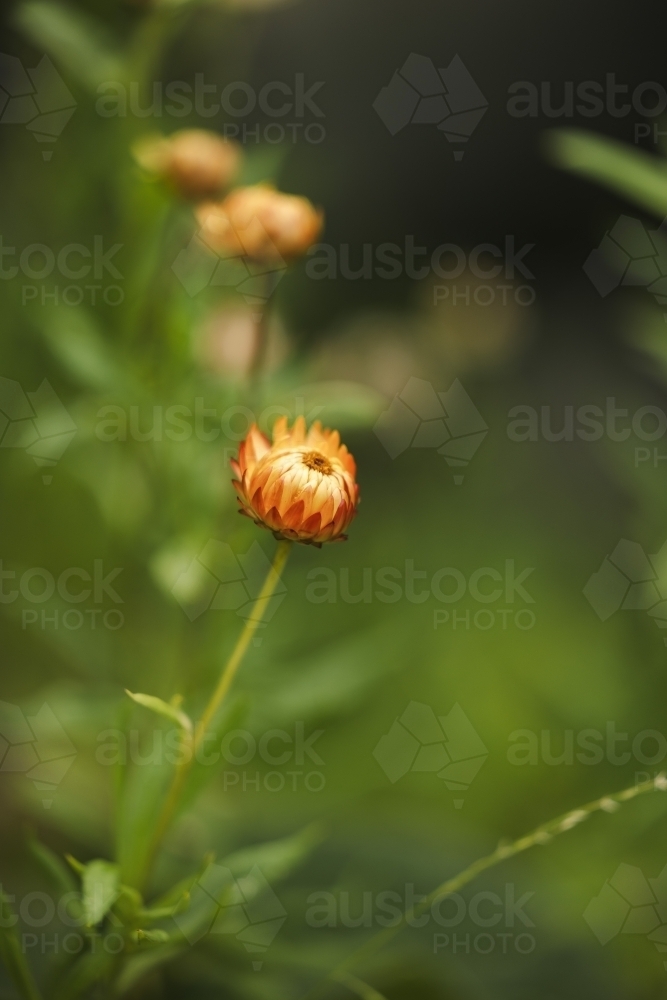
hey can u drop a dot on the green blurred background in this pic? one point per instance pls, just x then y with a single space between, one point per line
348 669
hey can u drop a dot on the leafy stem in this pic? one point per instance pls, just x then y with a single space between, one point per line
541 835
192 741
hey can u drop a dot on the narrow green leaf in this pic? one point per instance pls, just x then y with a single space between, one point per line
91 968
53 865
162 708
275 858
174 895
76 340
142 963
101 887
76 41
129 904
152 937
78 866
633 173
162 912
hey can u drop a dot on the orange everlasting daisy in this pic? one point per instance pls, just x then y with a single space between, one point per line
260 223
302 487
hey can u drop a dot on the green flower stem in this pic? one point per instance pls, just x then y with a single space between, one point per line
541 835
193 743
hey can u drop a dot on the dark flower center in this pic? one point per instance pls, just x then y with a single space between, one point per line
314 460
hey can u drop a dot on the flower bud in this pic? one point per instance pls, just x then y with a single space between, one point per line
196 163
260 223
302 487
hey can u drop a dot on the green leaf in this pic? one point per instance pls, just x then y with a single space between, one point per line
52 864
128 905
79 345
201 773
77 42
254 866
163 708
633 173
91 968
140 964
275 858
162 912
153 937
141 800
101 886
174 895
10 952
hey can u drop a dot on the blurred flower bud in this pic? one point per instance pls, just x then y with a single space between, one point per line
261 223
227 341
197 164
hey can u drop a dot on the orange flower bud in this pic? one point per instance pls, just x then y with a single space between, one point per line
198 164
261 223
302 487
